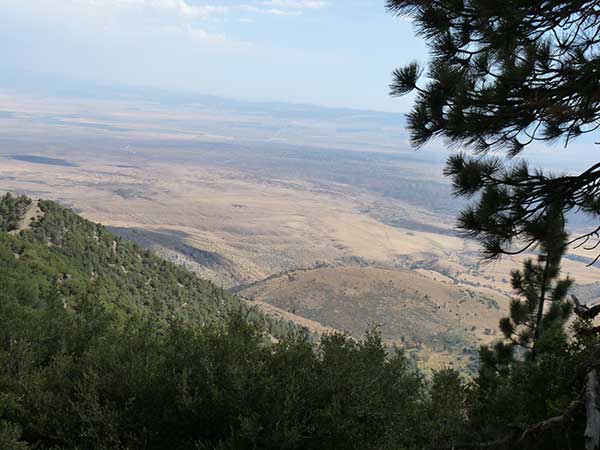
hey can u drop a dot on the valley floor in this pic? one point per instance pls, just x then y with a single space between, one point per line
341 239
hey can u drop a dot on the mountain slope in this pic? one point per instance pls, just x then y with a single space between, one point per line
105 346
56 253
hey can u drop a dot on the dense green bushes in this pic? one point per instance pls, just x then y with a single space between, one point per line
104 346
129 386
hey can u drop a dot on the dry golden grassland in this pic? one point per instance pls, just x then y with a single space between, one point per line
375 224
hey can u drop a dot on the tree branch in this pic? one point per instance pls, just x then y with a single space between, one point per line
583 311
592 411
519 437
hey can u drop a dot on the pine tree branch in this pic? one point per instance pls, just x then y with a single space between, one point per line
583 311
519 437
540 312
588 402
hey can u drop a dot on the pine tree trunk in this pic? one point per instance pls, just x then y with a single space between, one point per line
592 409
540 312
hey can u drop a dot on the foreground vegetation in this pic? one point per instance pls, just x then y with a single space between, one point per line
501 77
104 346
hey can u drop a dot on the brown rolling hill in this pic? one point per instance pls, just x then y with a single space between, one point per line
438 323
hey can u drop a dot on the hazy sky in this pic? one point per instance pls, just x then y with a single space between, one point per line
326 52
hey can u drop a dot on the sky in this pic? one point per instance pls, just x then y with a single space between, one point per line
325 52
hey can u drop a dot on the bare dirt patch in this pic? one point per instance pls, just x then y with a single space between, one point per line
31 214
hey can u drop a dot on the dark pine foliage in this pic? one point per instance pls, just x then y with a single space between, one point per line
501 76
540 308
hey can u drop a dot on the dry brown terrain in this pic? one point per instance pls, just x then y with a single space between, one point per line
239 197
438 322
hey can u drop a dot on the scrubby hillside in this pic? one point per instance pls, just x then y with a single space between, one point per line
58 253
440 323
